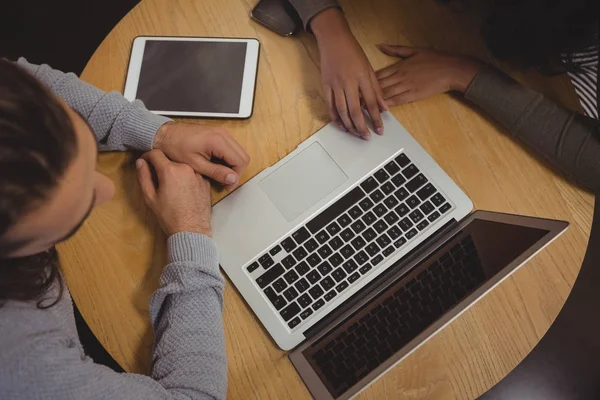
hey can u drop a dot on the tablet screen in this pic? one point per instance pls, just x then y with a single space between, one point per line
192 76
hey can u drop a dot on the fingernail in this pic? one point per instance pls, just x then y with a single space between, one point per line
230 179
379 131
366 137
342 127
139 163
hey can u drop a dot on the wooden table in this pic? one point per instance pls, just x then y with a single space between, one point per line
112 266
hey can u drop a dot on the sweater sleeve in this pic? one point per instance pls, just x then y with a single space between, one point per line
188 360
307 9
568 140
117 123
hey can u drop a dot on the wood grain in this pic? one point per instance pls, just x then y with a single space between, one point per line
112 266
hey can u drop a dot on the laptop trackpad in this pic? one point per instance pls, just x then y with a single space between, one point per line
303 181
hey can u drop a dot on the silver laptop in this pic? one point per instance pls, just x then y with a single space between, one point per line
318 238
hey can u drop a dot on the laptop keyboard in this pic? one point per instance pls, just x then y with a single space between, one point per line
347 240
397 317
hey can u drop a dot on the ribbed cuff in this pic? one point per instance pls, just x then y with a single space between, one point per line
140 127
192 247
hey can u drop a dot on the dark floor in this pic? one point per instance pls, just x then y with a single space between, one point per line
63 34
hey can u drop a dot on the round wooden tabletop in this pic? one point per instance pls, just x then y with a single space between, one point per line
113 264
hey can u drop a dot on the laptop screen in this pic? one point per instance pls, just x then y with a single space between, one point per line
387 323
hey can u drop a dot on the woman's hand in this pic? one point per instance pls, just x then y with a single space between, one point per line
348 78
422 73
199 146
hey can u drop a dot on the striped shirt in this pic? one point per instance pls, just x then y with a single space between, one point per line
585 80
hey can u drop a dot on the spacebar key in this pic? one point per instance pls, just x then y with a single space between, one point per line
335 210
270 276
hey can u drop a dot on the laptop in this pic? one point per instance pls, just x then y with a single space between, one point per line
353 253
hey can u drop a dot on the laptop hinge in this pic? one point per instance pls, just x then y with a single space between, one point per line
383 281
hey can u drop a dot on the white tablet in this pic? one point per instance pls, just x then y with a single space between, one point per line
193 77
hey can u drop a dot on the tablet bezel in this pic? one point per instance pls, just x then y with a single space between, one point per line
248 81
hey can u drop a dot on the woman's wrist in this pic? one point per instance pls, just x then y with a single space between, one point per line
464 73
329 23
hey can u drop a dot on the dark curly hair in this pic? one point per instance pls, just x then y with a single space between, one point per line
543 34
37 143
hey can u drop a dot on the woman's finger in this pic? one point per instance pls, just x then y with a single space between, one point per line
342 109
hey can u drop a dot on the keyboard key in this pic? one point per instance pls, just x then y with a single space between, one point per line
336 243
313 276
427 207
291 277
381 175
398 180
350 266
399 243
422 225
377 196
416 216
325 251
365 268
438 199
306 313
361 257
410 171
402 210
388 188
354 277
305 300
327 283
405 224
302 285
275 250
369 184
383 240
435 215
288 244
330 295
290 311
300 253
269 276
318 304
316 291
416 183
377 259
335 210
402 160
266 261
358 243
311 245
336 260
379 210
413 202
380 226
391 202
445 208
369 218
313 260
344 220
366 204
347 251
294 323
290 294
339 274
333 228
401 194
388 251
279 285
355 212
411 234
369 234
426 191
301 235
340 288
322 236
392 168
358 226
252 267
302 268
270 293
391 218
325 268
372 249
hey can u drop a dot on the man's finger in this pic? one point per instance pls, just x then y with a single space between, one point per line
403 98
390 70
224 151
333 114
390 80
342 110
358 118
239 169
158 159
398 51
217 172
395 90
145 179
370 101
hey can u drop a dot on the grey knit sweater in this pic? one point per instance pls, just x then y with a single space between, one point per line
40 353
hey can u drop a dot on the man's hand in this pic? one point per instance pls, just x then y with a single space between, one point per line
422 73
198 146
348 77
181 198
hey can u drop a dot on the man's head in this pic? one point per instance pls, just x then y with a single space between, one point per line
48 178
